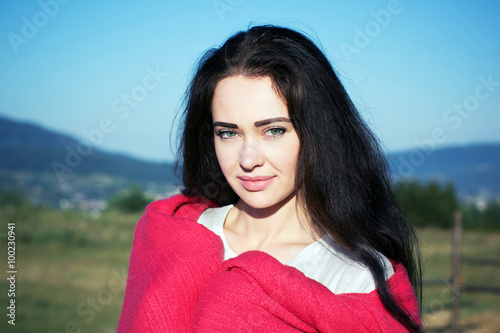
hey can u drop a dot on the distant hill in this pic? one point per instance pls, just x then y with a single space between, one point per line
473 169
29 147
51 167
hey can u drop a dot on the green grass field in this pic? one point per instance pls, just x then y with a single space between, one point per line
72 271
478 310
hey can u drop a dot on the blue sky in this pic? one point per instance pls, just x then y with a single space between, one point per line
422 73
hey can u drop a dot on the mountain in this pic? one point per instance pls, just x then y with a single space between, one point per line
29 147
50 167
56 169
474 169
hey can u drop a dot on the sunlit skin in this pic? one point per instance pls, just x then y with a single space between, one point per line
257 149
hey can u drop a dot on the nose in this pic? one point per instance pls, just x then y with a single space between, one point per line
251 156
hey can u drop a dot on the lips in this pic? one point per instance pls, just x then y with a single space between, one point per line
257 183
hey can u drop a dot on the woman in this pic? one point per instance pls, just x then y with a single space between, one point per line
287 221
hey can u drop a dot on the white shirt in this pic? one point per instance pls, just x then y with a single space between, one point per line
322 260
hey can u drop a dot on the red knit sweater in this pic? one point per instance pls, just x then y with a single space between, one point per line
178 282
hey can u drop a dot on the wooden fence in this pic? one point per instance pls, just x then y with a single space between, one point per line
456 283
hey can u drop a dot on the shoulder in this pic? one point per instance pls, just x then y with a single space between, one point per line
179 205
172 222
401 286
160 213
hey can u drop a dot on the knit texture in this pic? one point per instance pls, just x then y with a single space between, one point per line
178 282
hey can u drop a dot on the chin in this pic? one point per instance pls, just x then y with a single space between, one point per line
261 201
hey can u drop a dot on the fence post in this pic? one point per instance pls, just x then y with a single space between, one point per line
457 236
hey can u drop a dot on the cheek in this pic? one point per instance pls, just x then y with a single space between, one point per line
290 165
225 157
285 157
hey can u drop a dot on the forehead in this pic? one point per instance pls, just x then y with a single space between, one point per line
246 98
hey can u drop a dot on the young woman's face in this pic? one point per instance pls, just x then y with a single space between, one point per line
255 142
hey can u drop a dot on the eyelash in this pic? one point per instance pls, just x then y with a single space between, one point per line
281 129
222 133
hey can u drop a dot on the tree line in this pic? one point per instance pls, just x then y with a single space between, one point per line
427 204
433 204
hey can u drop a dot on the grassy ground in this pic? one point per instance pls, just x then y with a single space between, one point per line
72 272
478 310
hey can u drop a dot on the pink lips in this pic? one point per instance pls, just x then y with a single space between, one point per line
257 183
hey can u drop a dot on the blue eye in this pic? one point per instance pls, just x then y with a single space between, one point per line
275 131
225 134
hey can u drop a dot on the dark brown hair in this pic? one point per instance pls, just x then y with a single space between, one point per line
342 176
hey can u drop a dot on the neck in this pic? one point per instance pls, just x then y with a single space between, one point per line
284 223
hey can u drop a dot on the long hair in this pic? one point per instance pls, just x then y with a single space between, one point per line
342 177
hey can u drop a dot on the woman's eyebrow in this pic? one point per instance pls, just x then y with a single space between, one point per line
271 120
223 124
257 123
